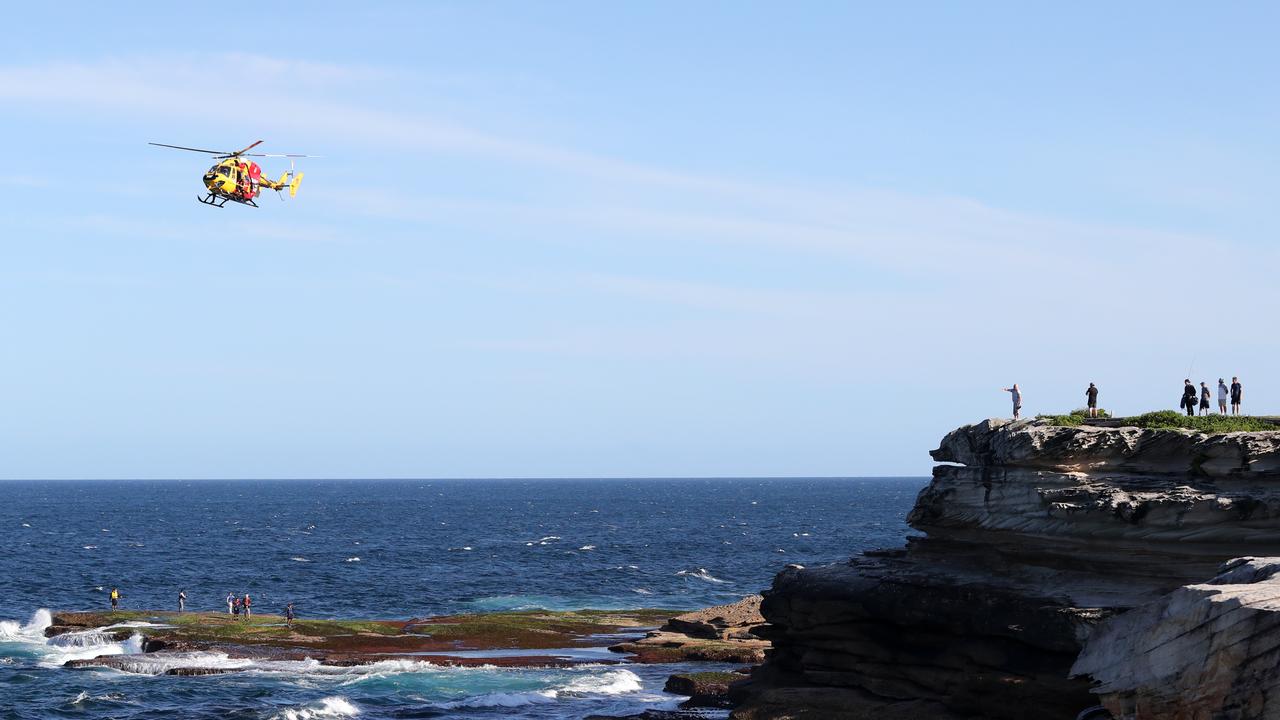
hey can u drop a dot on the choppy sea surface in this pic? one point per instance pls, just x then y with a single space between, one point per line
398 549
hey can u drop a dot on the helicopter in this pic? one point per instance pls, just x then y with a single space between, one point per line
237 180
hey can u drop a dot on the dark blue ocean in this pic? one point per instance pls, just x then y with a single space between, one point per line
400 549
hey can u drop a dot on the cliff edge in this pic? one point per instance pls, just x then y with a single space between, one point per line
1037 538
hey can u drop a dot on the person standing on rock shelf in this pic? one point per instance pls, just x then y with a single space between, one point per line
1237 390
1091 395
1017 400
1223 394
231 603
182 600
1204 398
1188 397
288 615
248 607
115 599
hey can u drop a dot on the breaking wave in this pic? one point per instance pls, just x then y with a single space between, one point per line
701 574
330 707
55 651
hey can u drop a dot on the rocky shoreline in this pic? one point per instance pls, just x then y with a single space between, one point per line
179 643
1060 569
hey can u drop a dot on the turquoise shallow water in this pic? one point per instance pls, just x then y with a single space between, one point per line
399 549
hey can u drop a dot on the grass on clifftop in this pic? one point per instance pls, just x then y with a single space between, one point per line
1074 418
1171 420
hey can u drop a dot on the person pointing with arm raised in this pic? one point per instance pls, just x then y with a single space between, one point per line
1017 400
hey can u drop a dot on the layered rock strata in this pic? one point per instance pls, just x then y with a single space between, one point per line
1033 535
1202 652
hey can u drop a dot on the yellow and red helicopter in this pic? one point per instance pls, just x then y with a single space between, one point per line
240 180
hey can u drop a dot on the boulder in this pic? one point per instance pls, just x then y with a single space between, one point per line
704 689
721 622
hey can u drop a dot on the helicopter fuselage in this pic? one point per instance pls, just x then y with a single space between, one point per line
242 181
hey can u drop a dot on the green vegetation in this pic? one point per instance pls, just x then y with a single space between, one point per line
1074 418
1213 424
536 628
712 676
520 629
1171 420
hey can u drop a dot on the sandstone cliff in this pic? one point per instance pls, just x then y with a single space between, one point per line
1033 536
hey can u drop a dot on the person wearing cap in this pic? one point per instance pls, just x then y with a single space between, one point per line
1091 395
1223 394
1204 398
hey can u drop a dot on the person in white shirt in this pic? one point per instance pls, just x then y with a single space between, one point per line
1017 400
1223 394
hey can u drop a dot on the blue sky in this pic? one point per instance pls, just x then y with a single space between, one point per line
607 239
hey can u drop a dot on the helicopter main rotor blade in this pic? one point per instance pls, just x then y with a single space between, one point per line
245 150
179 147
279 155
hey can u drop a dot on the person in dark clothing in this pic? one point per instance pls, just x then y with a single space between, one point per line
1236 391
1188 397
1092 396
288 615
1204 398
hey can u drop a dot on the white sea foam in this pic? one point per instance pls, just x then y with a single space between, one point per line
89 547
641 591
352 559
299 559
587 547
330 707
611 682
161 663
59 649
701 574
84 696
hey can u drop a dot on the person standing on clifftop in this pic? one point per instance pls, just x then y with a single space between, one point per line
1223 394
1091 395
1237 390
182 600
1017 400
1188 397
1204 398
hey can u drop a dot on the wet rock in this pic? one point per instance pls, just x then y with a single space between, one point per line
197 671
704 689
668 647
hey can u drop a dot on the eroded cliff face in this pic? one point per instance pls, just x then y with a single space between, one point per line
1032 539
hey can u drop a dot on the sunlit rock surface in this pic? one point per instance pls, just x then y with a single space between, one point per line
1033 536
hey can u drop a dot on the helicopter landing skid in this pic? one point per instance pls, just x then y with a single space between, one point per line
221 200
